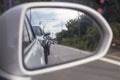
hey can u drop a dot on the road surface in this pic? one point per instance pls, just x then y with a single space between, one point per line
97 70
61 54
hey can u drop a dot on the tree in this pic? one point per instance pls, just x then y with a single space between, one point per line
1 7
112 12
89 36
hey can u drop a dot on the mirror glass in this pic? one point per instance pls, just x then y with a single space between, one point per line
54 36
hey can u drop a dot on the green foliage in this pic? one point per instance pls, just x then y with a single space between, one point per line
116 30
87 41
90 40
1 7
112 11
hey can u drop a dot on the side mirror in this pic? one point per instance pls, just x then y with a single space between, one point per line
82 36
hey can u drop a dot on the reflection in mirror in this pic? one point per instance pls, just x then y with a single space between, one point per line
52 36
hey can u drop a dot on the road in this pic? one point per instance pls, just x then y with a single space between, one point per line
97 70
61 54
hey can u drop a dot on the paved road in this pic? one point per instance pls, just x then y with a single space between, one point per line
97 70
114 53
60 54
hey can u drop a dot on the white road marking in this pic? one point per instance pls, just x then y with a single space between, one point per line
110 61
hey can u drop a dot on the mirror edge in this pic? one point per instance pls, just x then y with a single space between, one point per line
107 37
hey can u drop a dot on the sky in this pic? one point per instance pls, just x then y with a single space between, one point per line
53 20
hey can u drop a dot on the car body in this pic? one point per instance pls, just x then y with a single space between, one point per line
36 48
44 40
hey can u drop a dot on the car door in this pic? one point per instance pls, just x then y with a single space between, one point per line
33 51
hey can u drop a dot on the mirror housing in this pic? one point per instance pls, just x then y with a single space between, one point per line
11 23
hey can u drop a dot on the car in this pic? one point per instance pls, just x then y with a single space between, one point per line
42 37
28 38
44 40
22 55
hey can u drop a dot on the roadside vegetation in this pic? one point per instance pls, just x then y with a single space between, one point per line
85 38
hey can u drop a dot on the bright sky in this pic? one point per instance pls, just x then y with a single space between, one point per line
52 19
